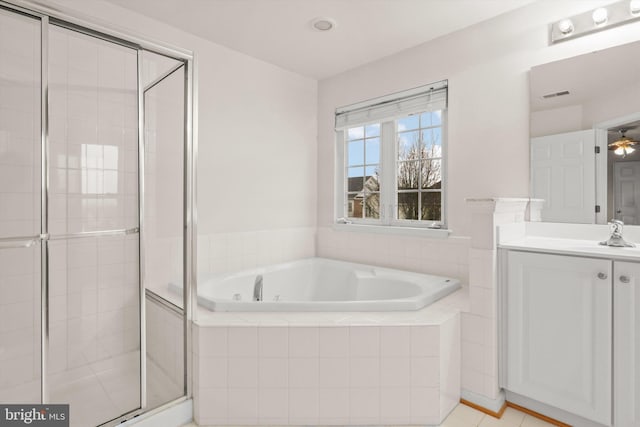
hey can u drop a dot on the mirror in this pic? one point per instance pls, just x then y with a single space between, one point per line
585 122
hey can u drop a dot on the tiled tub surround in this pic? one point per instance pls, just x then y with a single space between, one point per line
328 368
480 323
227 253
439 256
472 260
230 252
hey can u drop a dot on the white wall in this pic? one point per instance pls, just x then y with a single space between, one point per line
621 103
487 67
257 130
557 120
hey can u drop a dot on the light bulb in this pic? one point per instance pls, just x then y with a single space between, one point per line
600 16
634 7
566 26
630 150
619 151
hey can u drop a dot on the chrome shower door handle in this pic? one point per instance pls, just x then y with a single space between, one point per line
18 243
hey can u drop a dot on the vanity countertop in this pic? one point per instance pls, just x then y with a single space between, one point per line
589 248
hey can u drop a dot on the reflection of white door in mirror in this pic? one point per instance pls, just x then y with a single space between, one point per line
626 199
563 174
597 90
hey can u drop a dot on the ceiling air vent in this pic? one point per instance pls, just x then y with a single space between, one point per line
553 95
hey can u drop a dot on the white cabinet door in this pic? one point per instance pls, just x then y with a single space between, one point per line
626 351
563 171
559 332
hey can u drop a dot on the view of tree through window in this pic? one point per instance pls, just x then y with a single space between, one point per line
418 169
419 166
363 169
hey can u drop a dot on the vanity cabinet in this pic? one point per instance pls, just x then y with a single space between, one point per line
559 332
626 343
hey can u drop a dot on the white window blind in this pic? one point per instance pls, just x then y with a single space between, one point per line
432 97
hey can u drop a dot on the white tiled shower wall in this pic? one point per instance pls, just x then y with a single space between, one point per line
19 202
92 135
20 325
94 291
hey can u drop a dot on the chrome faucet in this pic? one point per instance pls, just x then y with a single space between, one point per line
616 239
257 288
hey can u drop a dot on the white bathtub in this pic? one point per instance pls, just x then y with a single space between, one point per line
318 284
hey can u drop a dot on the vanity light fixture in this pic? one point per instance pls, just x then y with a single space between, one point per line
566 26
619 13
600 16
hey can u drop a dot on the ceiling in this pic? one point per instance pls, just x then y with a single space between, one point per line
280 32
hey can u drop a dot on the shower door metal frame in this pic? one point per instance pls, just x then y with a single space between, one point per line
47 15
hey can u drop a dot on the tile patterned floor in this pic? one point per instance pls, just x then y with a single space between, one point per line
464 416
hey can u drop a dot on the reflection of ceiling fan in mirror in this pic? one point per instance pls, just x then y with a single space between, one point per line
623 145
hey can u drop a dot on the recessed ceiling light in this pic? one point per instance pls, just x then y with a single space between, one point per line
323 24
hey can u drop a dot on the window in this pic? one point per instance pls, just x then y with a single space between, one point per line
363 167
419 166
391 159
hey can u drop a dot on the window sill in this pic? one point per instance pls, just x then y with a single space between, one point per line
438 233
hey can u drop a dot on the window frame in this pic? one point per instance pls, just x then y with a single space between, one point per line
388 167
395 221
365 138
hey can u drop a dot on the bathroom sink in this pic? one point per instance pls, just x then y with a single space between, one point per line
597 248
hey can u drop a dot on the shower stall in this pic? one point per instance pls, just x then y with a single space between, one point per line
96 216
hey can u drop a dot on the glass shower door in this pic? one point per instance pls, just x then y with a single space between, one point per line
73 243
164 110
20 220
93 356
